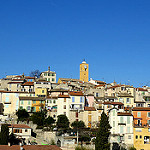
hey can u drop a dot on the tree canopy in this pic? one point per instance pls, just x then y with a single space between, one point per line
22 114
35 73
4 135
103 133
78 124
62 121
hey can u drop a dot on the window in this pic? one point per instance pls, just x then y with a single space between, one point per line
81 99
121 129
148 129
128 129
53 79
73 99
21 107
121 100
136 136
128 120
138 114
48 79
64 113
6 105
21 102
140 136
96 94
28 108
121 119
54 101
113 123
42 91
128 100
129 136
26 130
34 102
64 99
148 122
29 102
146 139
7 99
148 114
64 106
113 112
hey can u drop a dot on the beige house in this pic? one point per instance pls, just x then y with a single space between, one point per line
122 127
49 75
10 101
20 130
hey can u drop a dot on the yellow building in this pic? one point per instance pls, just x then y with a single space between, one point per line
142 138
84 72
40 92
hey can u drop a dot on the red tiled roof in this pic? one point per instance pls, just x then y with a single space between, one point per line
18 126
30 147
141 109
63 96
141 89
76 93
89 109
114 86
15 82
17 79
28 83
113 103
124 114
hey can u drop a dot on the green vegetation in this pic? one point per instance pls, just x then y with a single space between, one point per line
132 148
62 122
40 119
22 115
4 135
82 148
78 124
103 133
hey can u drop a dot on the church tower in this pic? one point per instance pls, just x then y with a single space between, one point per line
84 71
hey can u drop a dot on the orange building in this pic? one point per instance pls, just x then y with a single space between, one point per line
141 116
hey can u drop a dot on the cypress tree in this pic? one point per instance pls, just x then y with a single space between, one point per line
103 133
4 134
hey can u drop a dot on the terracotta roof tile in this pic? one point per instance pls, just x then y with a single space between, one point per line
76 93
18 126
28 83
141 109
113 103
63 96
141 89
30 147
124 114
89 109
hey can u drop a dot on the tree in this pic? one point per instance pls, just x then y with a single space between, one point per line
78 124
4 134
103 134
49 121
38 118
62 121
22 114
13 140
35 73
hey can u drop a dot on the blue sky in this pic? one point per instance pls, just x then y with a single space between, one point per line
112 36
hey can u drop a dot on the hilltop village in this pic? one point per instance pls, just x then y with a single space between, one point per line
127 107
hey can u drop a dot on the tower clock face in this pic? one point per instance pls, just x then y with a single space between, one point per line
85 66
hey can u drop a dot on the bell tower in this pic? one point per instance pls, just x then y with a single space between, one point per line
84 71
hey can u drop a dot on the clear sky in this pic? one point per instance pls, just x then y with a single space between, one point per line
112 35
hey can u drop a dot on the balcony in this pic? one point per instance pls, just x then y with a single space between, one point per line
76 107
122 123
